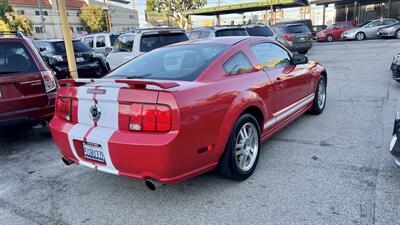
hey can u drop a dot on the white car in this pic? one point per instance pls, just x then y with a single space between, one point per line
132 44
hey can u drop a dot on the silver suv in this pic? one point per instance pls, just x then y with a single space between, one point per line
134 43
217 31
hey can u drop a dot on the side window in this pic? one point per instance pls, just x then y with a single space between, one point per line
124 43
89 41
271 56
375 23
100 41
237 64
204 34
195 35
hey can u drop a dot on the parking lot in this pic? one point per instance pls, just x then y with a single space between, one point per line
329 169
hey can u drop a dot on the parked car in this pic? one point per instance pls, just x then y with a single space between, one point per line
334 32
395 143
102 44
368 29
395 68
217 31
54 54
182 110
318 28
28 87
390 31
132 44
294 36
260 30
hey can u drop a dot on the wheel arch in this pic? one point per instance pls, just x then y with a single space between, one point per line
246 102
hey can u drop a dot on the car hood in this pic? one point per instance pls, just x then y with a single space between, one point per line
397 26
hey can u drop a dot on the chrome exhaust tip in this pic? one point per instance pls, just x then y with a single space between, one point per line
152 184
67 161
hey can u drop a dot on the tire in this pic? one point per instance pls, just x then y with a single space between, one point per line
100 70
230 165
329 38
360 36
303 51
319 101
397 34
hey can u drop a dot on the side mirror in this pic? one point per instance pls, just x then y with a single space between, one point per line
299 59
108 50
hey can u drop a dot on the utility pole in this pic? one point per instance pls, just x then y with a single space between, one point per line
108 16
42 19
67 39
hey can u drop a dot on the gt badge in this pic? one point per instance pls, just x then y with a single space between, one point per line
95 112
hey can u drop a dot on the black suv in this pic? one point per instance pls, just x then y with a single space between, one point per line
54 54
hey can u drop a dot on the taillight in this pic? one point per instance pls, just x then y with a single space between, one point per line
288 37
150 117
64 108
50 83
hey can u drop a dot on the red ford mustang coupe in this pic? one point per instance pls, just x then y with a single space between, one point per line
182 110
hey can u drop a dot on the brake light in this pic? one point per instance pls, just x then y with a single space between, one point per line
50 83
64 108
288 37
150 117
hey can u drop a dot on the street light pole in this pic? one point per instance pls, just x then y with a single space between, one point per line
108 15
67 39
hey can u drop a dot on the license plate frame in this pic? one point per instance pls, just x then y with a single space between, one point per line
93 151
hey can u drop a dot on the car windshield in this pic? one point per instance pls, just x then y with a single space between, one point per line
260 31
15 58
150 42
78 46
231 32
365 23
296 29
184 63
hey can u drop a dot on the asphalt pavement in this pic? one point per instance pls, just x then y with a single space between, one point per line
334 168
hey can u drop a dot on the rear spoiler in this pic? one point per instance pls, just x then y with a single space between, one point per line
131 83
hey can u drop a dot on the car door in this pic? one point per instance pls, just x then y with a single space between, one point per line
372 28
338 30
291 83
100 44
122 51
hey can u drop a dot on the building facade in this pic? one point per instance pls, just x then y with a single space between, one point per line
122 18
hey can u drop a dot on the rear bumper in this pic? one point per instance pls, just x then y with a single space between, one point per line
30 114
166 157
300 46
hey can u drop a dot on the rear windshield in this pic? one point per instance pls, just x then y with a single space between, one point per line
296 29
182 63
231 32
113 38
260 31
15 58
150 42
79 46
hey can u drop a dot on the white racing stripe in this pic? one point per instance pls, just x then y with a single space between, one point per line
106 126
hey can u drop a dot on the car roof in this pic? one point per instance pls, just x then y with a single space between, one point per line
217 28
255 25
231 40
54 40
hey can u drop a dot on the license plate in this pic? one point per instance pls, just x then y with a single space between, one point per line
80 59
93 151
302 38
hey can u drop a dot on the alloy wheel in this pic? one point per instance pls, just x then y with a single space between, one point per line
360 36
321 94
246 148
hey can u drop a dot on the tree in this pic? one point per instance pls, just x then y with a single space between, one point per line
150 5
4 8
17 22
3 26
175 9
93 18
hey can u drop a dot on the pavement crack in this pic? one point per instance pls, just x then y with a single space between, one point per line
323 143
30 215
